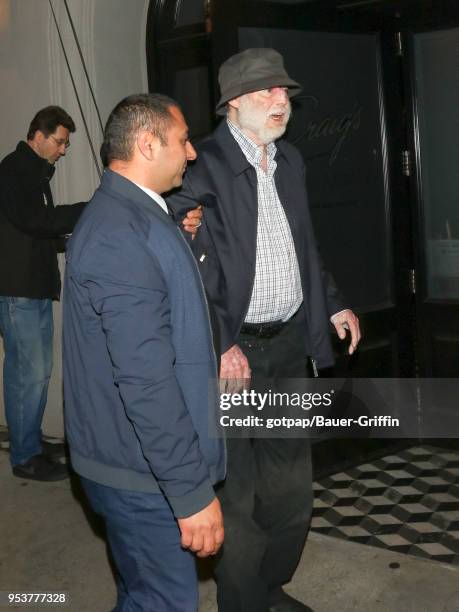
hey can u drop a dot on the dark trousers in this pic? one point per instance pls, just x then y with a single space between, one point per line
154 573
267 495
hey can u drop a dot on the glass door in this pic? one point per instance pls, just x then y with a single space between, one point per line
434 71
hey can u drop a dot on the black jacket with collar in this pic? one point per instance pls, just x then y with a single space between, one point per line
30 225
225 183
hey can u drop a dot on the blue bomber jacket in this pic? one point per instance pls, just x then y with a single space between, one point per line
140 379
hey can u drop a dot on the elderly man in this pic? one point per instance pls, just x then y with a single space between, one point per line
274 302
138 359
29 281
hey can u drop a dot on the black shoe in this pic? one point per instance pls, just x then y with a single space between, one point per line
281 602
41 467
53 450
4 438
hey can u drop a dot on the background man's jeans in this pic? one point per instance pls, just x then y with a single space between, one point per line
27 329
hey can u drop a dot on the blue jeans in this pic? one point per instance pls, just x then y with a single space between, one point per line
27 329
154 573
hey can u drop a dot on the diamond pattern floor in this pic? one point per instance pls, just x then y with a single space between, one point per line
407 502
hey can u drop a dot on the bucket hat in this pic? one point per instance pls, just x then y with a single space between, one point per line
252 70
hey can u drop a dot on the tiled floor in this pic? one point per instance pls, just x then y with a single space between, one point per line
406 502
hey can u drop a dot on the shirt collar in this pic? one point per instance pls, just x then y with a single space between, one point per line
42 166
154 196
252 151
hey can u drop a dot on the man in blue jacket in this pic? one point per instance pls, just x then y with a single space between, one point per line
139 368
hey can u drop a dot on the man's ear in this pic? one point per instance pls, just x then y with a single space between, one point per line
38 137
235 103
148 145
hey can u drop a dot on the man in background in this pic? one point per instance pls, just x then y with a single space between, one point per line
30 226
31 234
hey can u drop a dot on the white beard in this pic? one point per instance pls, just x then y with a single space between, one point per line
252 118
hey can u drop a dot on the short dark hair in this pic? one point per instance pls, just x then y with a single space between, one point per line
139 112
48 119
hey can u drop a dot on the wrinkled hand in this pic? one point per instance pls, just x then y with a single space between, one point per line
234 370
347 320
192 221
203 532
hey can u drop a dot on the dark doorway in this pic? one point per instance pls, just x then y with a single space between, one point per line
376 127
432 52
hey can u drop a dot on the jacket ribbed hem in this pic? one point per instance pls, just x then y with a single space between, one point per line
130 480
115 477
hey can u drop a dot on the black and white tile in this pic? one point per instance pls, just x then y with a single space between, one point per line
407 502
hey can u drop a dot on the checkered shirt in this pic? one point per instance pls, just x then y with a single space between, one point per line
277 293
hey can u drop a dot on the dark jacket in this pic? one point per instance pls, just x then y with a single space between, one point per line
30 225
140 375
225 183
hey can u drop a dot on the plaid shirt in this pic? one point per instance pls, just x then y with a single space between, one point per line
277 293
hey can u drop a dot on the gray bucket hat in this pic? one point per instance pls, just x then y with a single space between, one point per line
252 70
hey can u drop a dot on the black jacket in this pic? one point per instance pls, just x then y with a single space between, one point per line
225 183
30 225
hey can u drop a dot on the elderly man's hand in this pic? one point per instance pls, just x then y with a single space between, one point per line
346 320
192 221
234 370
203 532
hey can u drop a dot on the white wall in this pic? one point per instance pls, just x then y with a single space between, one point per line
33 74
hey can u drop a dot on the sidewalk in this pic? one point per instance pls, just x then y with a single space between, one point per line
50 543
